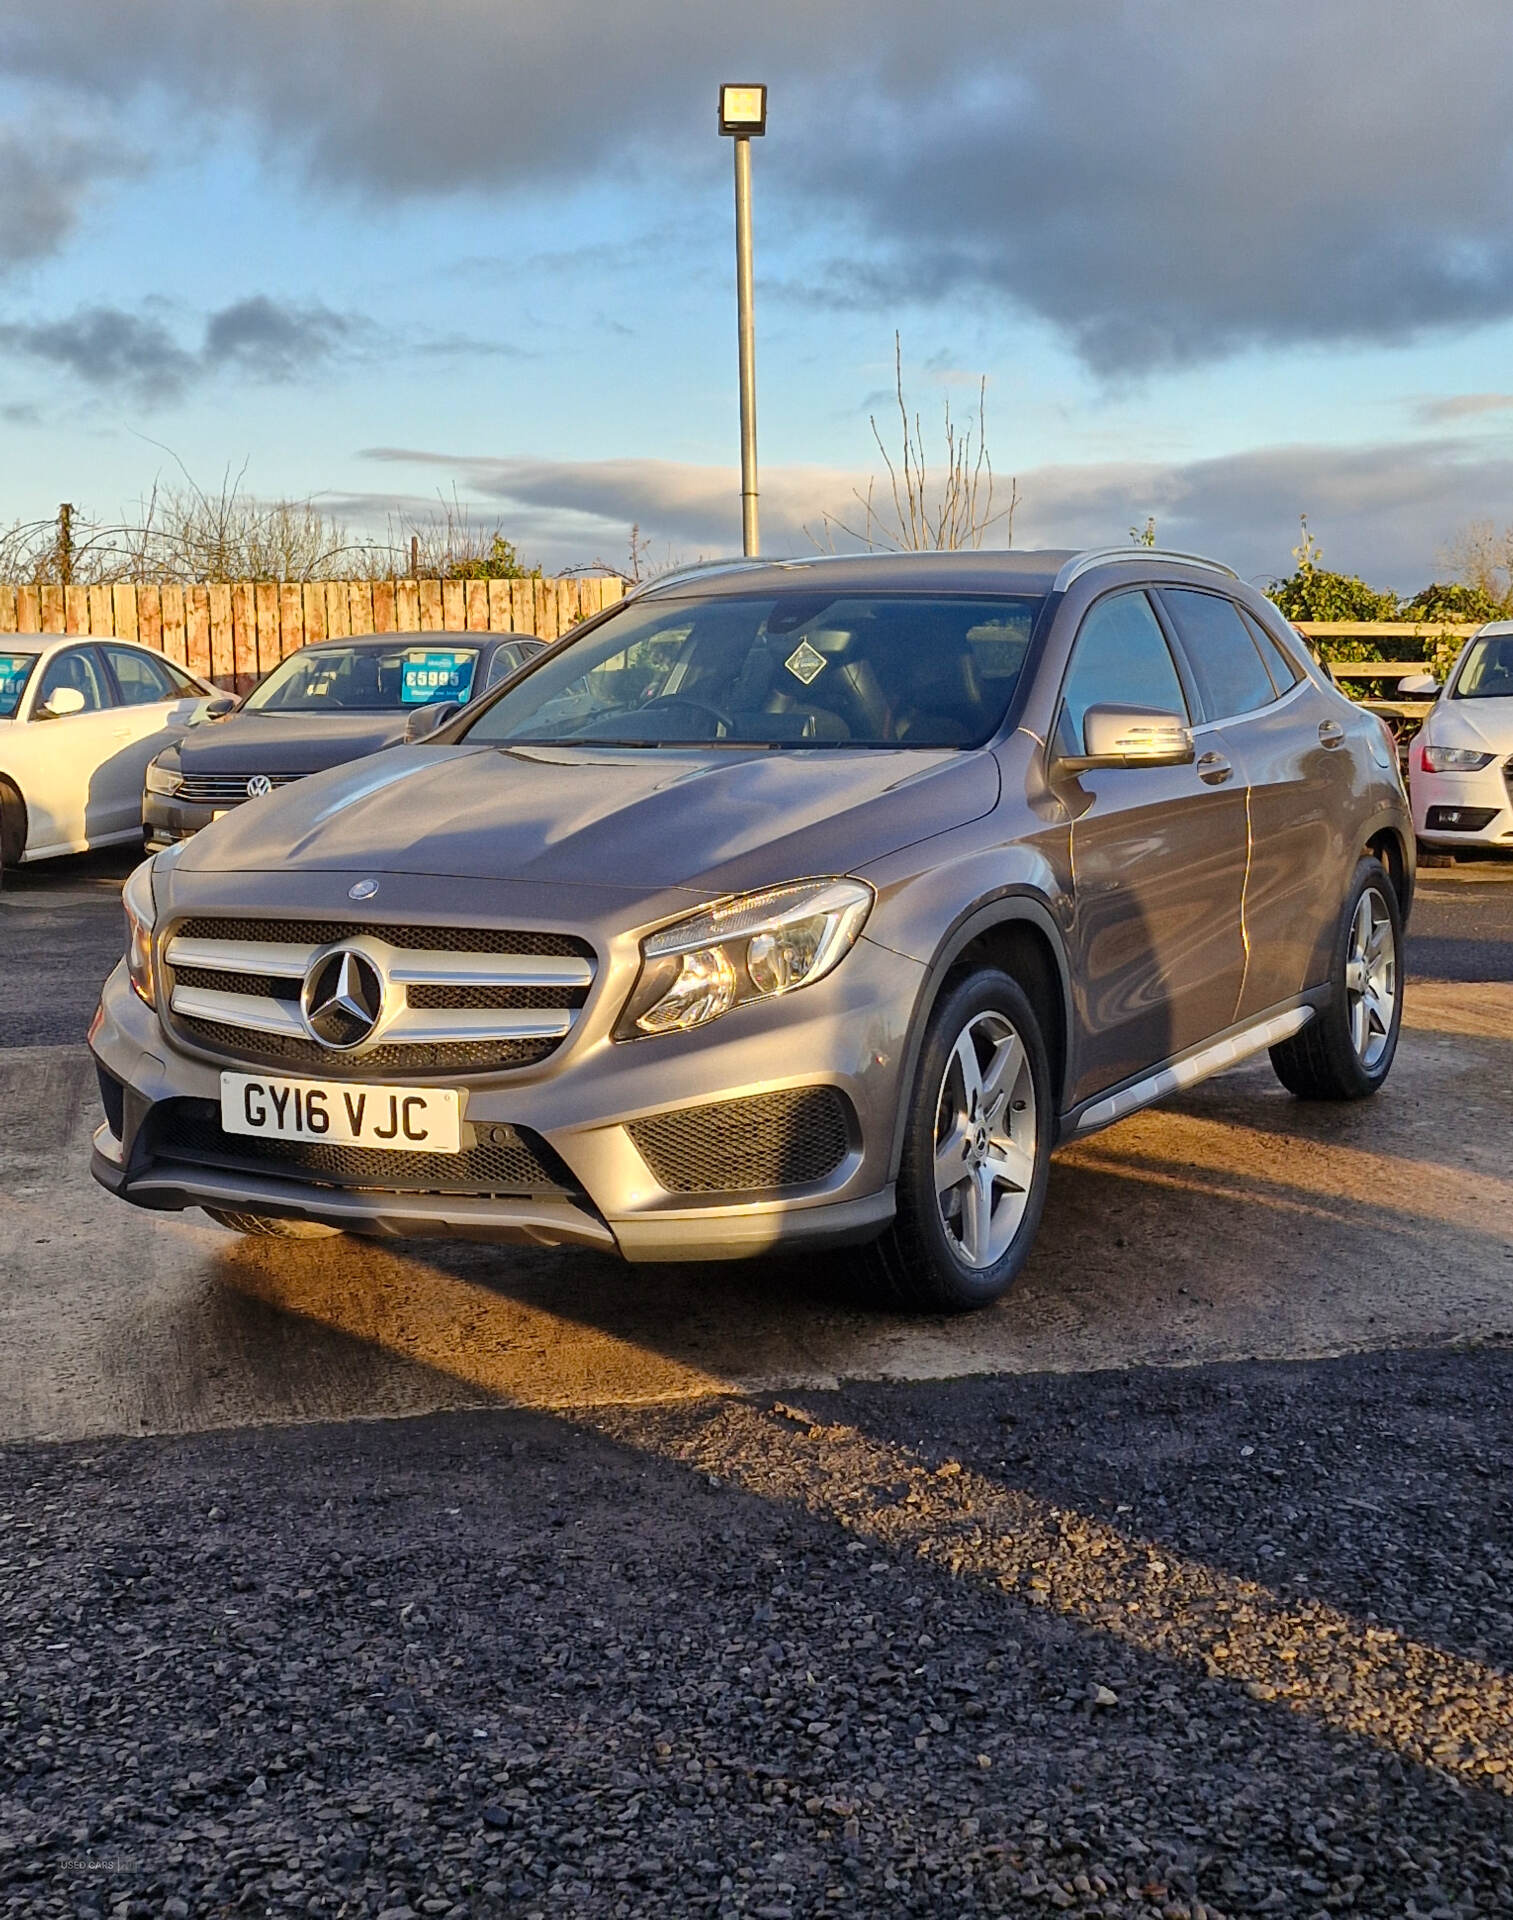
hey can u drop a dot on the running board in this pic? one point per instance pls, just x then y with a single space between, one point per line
1197 1066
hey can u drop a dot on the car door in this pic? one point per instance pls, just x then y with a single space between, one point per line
71 794
1158 864
1285 735
156 703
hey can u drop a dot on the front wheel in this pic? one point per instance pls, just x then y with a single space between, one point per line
267 1227
1346 1050
977 1143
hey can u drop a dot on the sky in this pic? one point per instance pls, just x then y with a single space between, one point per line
1219 265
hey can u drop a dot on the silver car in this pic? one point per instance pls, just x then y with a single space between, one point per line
786 904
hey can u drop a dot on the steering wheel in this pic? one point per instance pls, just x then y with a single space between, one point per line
696 706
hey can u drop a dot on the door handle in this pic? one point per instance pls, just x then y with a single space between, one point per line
1331 733
1213 768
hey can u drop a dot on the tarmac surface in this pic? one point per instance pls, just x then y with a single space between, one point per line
1176 1587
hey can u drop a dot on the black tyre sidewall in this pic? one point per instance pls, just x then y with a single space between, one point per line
1356 1081
948 1283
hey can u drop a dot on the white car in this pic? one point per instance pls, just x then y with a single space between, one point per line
1460 767
79 721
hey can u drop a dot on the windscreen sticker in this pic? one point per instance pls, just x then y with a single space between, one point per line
14 668
432 676
806 663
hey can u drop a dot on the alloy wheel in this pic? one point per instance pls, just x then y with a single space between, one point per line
1371 978
985 1131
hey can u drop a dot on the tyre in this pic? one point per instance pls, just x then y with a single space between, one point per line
269 1227
976 1157
12 829
1434 856
1345 1052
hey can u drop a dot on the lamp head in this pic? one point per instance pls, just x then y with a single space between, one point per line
743 110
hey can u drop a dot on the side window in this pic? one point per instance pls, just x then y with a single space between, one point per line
139 677
506 660
1225 660
1121 659
75 667
1285 671
182 684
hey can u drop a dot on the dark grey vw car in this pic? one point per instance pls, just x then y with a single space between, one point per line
330 702
787 904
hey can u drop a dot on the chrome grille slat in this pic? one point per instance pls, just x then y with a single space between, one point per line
238 995
279 959
490 970
238 1010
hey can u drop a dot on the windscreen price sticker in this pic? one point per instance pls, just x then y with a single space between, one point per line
431 676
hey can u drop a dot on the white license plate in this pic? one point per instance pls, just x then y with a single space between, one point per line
401 1119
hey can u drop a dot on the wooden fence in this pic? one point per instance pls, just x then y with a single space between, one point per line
231 634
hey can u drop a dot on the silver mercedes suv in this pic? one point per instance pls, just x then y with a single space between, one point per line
787 903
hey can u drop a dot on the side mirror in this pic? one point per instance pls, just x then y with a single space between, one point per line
1418 686
1130 737
425 721
60 703
218 709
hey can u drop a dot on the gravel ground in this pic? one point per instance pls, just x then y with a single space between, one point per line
1214 1642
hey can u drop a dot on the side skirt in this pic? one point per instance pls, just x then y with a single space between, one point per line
1239 1043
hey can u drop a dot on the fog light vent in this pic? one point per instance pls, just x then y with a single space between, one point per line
791 1138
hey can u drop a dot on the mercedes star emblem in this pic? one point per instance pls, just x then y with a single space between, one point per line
362 890
259 787
342 998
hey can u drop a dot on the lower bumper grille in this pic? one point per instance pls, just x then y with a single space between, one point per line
503 1162
790 1138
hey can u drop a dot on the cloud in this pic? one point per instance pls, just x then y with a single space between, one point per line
107 347
1463 406
1385 511
138 354
46 175
1162 183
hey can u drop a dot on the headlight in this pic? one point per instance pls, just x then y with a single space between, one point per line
141 912
163 780
749 948
1455 760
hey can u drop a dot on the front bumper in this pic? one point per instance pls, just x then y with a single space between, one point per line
1464 809
167 820
846 1034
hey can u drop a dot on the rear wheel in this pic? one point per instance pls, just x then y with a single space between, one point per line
267 1227
1346 1050
1434 856
976 1155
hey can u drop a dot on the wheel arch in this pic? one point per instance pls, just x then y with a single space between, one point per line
1387 842
1017 932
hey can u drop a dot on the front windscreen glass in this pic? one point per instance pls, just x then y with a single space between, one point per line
366 679
785 670
15 671
1487 671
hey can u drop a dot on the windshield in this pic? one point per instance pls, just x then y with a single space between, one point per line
785 670
1487 671
15 671
366 679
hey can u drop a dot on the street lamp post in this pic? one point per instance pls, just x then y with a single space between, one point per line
743 116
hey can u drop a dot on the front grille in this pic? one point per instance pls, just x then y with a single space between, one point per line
791 1138
456 999
508 1163
224 789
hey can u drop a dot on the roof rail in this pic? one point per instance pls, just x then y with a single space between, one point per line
1081 563
736 563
